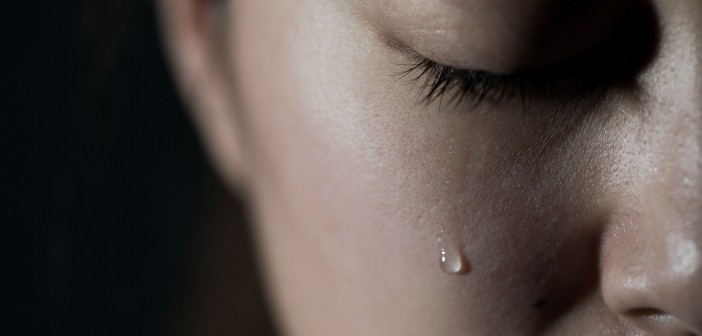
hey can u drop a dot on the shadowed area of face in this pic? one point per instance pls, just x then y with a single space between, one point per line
500 36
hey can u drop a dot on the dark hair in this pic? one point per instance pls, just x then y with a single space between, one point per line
104 23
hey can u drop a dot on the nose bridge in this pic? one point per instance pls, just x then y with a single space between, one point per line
674 191
672 128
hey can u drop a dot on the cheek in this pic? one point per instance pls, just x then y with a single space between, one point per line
355 184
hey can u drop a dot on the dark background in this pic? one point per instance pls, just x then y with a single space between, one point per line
114 222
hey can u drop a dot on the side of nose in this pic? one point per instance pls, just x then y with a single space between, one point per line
652 249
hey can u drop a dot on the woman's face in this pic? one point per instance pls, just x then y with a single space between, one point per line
558 206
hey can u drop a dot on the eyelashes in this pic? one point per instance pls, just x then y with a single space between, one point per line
441 82
453 86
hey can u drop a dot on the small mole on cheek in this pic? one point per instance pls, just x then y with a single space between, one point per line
539 304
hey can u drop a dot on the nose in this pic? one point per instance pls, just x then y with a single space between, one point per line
652 274
652 250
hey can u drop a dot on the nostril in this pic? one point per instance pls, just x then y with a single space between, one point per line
658 322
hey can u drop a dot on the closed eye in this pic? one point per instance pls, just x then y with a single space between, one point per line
615 63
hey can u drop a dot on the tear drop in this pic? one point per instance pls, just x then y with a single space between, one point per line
451 259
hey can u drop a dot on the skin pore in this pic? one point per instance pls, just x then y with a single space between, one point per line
578 213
